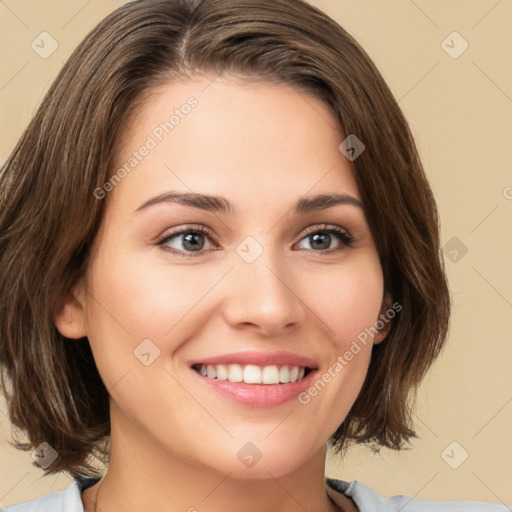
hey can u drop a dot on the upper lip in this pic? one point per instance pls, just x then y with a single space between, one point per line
260 359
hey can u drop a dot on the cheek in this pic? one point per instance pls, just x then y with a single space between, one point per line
146 299
130 302
349 308
348 301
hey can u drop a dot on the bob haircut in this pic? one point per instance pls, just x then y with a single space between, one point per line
50 212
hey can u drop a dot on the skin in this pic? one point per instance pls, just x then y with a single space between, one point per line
174 441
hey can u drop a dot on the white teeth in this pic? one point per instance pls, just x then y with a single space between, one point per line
211 371
270 375
235 373
222 372
284 374
253 374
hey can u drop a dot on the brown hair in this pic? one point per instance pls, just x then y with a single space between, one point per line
49 214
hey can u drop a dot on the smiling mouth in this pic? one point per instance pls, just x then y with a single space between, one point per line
253 374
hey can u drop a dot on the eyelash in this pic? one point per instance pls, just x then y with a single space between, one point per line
342 235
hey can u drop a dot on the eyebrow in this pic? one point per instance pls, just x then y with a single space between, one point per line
221 205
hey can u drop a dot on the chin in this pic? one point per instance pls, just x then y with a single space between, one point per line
261 461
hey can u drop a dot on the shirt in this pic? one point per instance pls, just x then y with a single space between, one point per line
366 499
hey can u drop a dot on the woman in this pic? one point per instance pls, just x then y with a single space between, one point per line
219 254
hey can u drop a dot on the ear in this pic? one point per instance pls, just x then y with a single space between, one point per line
70 319
383 319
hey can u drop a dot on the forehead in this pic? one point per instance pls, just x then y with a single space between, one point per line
255 141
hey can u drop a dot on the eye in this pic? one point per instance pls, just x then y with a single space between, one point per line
321 238
192 241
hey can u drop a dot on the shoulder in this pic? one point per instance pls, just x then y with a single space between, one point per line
367 500
67 500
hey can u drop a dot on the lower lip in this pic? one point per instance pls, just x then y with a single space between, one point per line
258 395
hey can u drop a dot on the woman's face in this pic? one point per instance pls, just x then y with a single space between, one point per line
267 285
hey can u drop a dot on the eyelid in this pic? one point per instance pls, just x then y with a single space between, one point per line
321 227
187 228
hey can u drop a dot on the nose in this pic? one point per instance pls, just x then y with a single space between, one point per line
264 296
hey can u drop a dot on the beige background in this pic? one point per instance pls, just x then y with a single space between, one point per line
460 111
